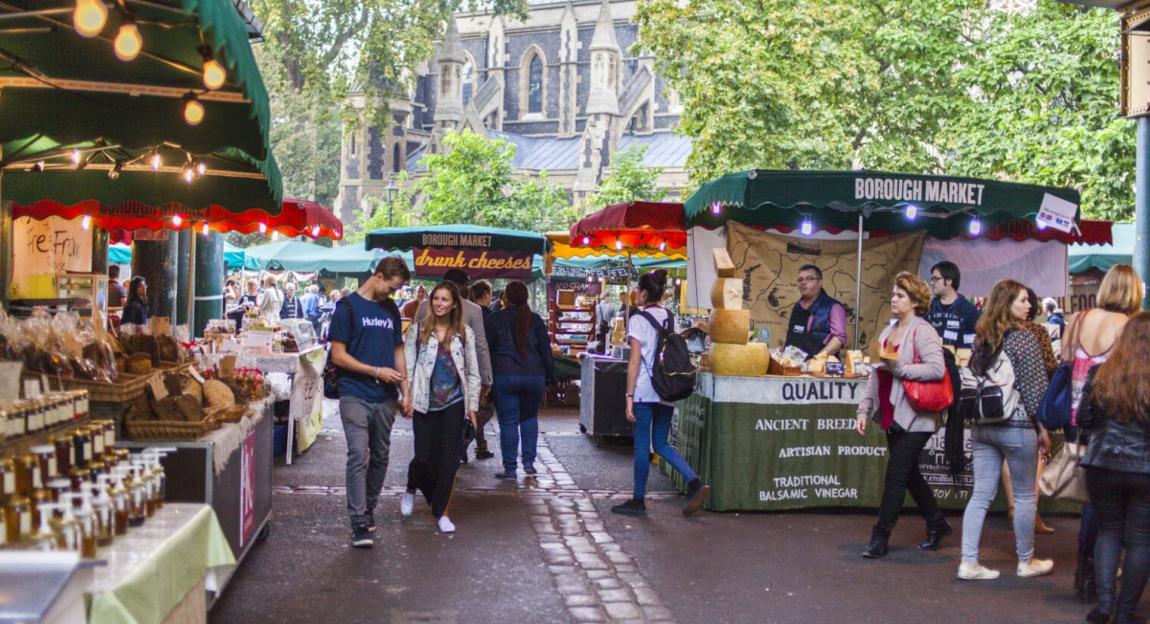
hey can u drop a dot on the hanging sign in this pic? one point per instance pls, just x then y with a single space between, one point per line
42 249
478 263
1057 213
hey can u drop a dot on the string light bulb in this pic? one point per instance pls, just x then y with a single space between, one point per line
662 245
177 220
263 228
128 43
89 17
275 236
189 174
975 227
193 109
716 207
201 168
155 161
38 167
76 156
807 227
586 240
618 244
86 222
204 229
315 231
214 72
114 172
911 212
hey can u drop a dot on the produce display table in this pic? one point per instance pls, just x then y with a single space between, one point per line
231 470
602 397
775 443
155 568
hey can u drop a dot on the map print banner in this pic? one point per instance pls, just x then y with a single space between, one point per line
769 264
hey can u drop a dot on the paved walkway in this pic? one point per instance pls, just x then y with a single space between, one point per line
549 550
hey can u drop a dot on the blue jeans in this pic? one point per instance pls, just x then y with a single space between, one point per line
517 401
652 424
1019 446
1122 503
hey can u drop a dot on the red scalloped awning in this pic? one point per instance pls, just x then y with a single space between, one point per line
297 218
634 225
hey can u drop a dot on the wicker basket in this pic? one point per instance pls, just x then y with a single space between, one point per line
168 430
126 388
233 414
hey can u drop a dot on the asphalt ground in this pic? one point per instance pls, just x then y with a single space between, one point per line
549 550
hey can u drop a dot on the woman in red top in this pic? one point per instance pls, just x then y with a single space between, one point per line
919 357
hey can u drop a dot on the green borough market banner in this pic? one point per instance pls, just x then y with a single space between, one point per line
779 443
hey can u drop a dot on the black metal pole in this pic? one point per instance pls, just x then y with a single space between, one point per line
1142 204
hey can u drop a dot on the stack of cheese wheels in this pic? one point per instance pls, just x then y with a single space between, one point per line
731 355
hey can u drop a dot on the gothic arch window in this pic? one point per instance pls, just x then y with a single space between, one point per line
533 82
468 78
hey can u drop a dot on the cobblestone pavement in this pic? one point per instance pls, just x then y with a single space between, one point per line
547 549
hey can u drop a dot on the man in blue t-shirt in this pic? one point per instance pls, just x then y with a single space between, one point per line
367 347
952 315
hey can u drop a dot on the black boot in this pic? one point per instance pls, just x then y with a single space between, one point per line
934 536
877 548
1084 586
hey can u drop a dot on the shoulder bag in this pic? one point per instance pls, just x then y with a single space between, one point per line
1057 404
927 396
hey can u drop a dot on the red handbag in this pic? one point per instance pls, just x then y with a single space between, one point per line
928 396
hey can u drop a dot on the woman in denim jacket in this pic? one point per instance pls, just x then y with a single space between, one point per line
444 374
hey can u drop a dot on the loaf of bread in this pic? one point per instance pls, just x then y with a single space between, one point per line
190 408
217 394
139 364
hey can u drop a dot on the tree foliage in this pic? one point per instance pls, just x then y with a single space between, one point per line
628 180
471 181
932 86
378 214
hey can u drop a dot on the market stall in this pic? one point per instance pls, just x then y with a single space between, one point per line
770 431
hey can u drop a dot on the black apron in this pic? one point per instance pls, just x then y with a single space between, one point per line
797 333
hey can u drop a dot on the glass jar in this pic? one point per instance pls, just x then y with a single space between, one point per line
46 461
27 475
109 433
81 403
7 478
36 416
82 444
78 477
17 420
64 452
19 519
96 434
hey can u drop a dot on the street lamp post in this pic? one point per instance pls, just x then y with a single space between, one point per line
389 193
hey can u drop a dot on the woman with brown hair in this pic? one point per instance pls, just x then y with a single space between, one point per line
1115 411
999 334
918 356
1087 341
444 372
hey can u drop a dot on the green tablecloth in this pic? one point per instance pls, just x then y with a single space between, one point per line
152 568
776 443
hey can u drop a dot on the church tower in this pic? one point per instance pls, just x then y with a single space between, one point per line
601 134
449 63
568 71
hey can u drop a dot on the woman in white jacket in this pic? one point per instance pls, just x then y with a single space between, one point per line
444 374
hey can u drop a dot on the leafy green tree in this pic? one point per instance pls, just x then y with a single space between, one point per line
628 180
471 181
378 215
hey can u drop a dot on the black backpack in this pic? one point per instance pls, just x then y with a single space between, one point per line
672 373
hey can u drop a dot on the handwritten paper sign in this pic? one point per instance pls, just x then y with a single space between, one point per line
41 249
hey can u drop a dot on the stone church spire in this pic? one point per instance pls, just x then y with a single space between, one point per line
568 71
605 62
449 61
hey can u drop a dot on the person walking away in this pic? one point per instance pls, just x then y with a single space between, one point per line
135 311
522 363
1115 411
481 296
918 356
292 307
1018 440
116 293
412 307
650 414
444 374
367 347
952 315
1090 336
271 301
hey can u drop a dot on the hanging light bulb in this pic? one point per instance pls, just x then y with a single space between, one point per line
201 168
911 212
618 244
204 229
177 220
155 160
662 245
89 17
86 222
189 174
114 172
315 231
214 72
975 227
590 278
716 207
193 109
678 281
586 240
263 228
1041 225
38 167
128 43
807 227
76 156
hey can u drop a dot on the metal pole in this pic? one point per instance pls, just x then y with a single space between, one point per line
858 280
192 285
390 204
1142 205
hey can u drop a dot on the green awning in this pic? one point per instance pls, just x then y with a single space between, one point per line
1084 258
831 200
234 257
73 88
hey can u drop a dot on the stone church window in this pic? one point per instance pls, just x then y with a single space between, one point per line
468 80
535 86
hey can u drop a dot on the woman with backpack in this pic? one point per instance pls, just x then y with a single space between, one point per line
1087 342
1003 345
1115 411
521 367
444 372
652 415
917 357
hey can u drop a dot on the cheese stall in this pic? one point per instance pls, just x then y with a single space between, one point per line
770 429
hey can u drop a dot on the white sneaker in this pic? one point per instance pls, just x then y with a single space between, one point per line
1035 567
445 525
976 572
407 505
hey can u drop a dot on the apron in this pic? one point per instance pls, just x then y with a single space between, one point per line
797 333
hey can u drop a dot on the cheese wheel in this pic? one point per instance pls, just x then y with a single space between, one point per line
730 326
727 294
724 267
739 360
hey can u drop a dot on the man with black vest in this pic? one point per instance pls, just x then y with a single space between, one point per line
818 323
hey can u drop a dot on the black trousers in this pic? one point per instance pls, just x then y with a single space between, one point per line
903 475
438 443
1122 505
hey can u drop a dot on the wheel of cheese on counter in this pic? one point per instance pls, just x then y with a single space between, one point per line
739 360
730 326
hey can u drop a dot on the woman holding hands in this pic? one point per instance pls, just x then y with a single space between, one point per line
444 374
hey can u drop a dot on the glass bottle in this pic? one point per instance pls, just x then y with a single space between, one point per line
87 527
64 452
109 434
102 511
46 462
66 528
43 538
40 499
120 503
83 447
27 475
19 517
136 494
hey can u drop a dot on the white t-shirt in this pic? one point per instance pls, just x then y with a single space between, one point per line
641 329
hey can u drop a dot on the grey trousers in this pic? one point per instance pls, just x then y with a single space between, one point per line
368 429
1019 447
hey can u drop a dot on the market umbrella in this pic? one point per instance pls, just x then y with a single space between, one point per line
654 226
284 255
